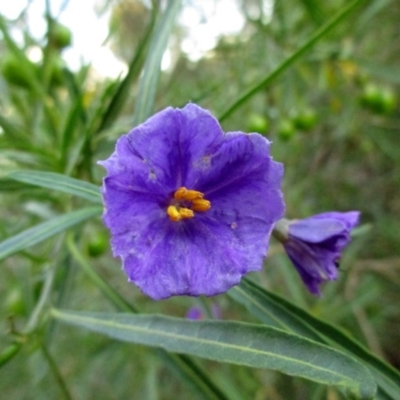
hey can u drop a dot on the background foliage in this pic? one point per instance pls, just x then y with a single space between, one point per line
333 116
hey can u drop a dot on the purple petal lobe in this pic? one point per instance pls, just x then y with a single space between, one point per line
316 230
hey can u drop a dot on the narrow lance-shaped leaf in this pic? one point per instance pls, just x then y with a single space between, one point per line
45 230
148 83
275 310
234 342
59 182
9 353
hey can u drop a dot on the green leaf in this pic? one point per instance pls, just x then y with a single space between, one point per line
275 310
234 342
59 182
314 9
45 230
389 73
9 353
148 83
10 128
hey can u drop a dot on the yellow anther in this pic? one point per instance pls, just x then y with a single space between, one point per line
189 195
185 203
201 205
174 214
186 213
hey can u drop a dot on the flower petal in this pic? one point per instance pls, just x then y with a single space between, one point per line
189 258
314 264
349 218
182 137
242 179
316 230
321 227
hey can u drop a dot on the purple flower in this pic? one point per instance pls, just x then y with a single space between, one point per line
190 209
315 244
196 313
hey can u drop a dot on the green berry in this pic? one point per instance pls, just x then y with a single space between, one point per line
257 123
286 129
60 36
305 120
14 71
98 244
377 99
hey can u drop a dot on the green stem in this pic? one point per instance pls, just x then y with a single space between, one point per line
57 374
110 293
44 295
290 60
281 230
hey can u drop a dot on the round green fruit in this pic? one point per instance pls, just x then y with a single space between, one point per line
60 36
98 244
370 98
378 99
388 101
305 120
14 71
257 123
14 303
286 129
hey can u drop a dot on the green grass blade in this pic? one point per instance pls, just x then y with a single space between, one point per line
148 83
45 230
273 309
318 35
59 182
234 342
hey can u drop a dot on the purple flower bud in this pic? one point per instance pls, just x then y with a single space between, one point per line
197 313
190 208
314 244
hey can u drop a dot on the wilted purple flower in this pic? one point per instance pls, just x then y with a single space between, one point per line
315 244
190 209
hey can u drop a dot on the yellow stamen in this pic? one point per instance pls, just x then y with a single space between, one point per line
189 195
186 213
201 205
174 214
185 203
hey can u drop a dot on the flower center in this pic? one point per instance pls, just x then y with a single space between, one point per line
185 203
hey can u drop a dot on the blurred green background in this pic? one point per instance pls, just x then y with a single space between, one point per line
333 117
